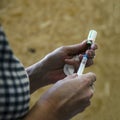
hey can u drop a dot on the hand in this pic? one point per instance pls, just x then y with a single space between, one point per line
65 99
56 60
50 69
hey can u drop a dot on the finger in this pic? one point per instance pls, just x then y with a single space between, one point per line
84 105
71 76
75 61
94 46
90 78
89 62
77 48
93 87
90 53
91 91
72 60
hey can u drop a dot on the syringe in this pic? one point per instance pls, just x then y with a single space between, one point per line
91 39
82 65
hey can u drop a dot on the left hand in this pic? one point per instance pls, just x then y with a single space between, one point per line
56 60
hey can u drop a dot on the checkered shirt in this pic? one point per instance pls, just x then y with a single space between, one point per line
14 84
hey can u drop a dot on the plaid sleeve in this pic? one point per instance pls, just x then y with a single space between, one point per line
14 84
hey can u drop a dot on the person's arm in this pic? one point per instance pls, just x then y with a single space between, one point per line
65 99
50 68
37 75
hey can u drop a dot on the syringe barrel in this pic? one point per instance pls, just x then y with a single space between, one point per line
82 65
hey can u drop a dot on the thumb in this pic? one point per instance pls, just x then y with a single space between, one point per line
90 78
71 76
77 48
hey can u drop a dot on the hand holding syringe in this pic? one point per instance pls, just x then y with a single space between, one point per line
69 69
91 38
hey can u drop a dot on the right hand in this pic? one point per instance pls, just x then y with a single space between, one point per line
65 99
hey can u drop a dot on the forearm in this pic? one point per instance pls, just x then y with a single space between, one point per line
37 75
41 112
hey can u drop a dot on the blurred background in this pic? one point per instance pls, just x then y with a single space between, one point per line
37 27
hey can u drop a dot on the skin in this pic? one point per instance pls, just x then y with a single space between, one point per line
69 95
50 69
65 99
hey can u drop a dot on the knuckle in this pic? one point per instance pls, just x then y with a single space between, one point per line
90 93
90 61
88 102
92 76
63 47
87 81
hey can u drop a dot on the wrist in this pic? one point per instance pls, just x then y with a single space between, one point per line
37 75
41 111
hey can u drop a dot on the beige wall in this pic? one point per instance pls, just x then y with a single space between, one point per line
44 25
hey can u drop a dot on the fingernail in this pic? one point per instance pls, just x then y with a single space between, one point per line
94 47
